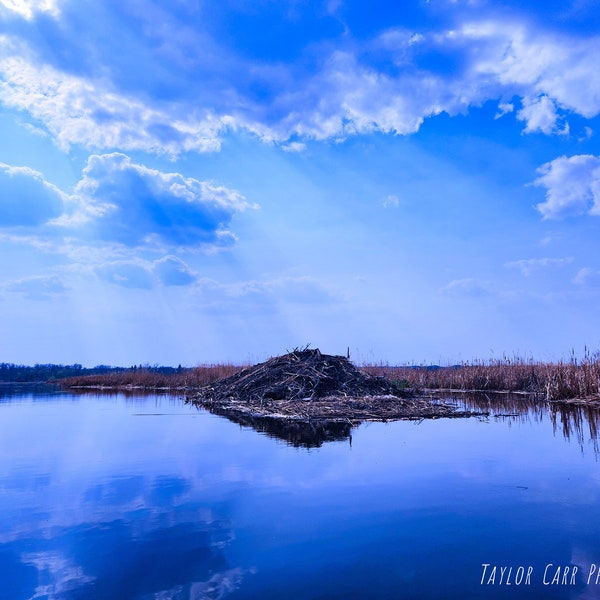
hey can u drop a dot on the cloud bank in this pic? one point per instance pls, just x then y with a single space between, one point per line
178 87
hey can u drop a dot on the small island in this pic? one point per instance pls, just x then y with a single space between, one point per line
306 385
305 394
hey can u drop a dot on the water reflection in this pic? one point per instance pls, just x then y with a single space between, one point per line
126 540
96 502
136 395
297 433
18 392
580 423
574 422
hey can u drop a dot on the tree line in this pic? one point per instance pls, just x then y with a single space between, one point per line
13 373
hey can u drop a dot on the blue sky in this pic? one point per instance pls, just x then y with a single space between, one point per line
197 181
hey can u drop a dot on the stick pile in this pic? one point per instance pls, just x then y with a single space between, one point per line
307 387
298 375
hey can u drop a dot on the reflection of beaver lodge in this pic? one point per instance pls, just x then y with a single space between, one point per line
305 385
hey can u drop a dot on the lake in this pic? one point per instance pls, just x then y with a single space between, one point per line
145 497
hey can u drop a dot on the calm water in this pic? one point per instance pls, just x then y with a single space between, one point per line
113 498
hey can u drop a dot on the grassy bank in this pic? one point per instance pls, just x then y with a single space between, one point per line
151 379
563 380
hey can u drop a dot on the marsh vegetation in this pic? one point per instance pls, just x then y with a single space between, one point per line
574 380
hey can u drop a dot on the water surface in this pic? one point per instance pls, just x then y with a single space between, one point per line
115 497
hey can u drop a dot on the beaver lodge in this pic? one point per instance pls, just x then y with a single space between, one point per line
308 386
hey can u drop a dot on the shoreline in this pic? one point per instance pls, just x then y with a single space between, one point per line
435 393
336 409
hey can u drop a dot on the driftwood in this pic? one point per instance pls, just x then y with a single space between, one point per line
306 385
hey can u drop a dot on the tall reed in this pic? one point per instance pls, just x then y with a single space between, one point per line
562 380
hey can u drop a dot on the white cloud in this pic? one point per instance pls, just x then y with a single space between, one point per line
551 74
131 204
504 108
90 112
27 199
540 115
28 8
572 186
121 202
350 92
529 265
535 63
347 98
294 147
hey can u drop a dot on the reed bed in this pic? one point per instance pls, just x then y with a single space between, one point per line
566 380
559 381
149 379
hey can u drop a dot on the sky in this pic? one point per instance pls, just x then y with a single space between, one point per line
193 181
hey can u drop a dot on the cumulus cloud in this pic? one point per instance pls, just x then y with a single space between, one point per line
26 198
540 115
551 73
572 186
121 201
347 97
529 265
534 63
118 201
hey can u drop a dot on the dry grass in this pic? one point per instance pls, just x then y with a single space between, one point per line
149 379
563 380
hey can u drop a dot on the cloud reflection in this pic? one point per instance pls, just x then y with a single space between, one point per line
134 537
